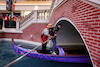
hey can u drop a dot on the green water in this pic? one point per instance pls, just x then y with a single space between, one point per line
7 55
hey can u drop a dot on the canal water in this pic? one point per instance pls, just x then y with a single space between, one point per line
7 55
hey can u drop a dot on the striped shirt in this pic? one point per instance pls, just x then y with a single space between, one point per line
45 31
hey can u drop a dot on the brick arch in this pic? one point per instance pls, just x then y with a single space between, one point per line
71 23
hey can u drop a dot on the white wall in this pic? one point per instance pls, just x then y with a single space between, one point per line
26 7
29 7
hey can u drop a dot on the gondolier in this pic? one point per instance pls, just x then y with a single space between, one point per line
45 35
53 32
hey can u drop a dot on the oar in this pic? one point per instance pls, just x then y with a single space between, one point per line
24 55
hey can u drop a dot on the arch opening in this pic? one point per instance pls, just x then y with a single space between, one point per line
70 39
68 35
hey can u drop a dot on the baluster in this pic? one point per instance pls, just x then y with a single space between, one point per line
40 15
43 15
17 25
56 2
35 14
32 14
46 14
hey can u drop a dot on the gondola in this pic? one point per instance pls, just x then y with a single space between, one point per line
60 57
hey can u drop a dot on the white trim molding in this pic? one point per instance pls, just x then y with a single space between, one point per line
20 40
10 30
92 3
25 41
95 1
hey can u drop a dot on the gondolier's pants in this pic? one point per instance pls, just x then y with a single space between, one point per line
44 38
54 45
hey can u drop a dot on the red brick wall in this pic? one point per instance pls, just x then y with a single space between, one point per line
34 29
86 18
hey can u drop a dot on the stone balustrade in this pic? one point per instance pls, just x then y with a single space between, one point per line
36 16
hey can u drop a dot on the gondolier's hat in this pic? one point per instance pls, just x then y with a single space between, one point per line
50 26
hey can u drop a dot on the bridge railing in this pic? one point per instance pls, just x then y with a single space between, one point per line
55 5
57 2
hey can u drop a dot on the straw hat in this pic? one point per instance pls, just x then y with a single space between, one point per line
49 25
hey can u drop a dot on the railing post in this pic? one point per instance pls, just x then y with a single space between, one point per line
56 1
40 15
17 25
35 14
48 14
32 14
